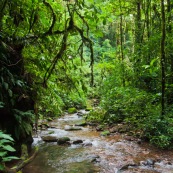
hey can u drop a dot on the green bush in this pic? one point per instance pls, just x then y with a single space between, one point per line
74 99
158 131
130 104
96 115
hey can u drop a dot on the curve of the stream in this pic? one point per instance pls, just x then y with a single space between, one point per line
102 154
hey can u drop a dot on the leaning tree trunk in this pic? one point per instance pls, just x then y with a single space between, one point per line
162 58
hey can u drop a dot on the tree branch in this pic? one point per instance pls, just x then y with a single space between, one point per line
17 168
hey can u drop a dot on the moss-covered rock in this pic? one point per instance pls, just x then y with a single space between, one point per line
49 119
83 123
88 109
63 140
72 110
105 133
49 138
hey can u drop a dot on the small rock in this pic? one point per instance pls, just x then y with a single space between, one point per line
139 141
129 138
81 124
71 128
43 126
143 163
99 128
92 124
77 141
113 130
150 162
126 166
105 133
49 119
94 158
80 114
51 132
87 144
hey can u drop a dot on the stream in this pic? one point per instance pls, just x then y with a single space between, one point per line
89 152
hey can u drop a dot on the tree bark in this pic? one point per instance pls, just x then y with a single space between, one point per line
162 58
121 44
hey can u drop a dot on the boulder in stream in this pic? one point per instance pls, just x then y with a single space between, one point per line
79 141
63 140
72 110
49 138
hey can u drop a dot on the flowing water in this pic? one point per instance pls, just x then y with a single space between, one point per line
97 154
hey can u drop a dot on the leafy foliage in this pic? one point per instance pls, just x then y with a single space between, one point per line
6 142
55 44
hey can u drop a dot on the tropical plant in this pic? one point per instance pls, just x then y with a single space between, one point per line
6 142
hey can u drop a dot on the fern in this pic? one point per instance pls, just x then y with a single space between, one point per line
24 122
6 142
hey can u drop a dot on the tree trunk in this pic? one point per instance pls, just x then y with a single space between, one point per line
162 47
137 46
121 44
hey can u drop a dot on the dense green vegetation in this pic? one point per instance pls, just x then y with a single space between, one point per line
56 55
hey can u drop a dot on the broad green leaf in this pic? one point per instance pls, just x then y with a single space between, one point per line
6 136
5 141
9 158
3 153
8 148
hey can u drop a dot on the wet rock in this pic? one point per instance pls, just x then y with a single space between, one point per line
88 109
92 124
126 166
80 113
148 162
43 126
139 141
53 127
63 140
49 119
105 133
72 110
100 128
87 144
51 132
113 130
49 138
129 138
94 158
72 128
81 124
79 141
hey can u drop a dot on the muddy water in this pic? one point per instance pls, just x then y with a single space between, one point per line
111 154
